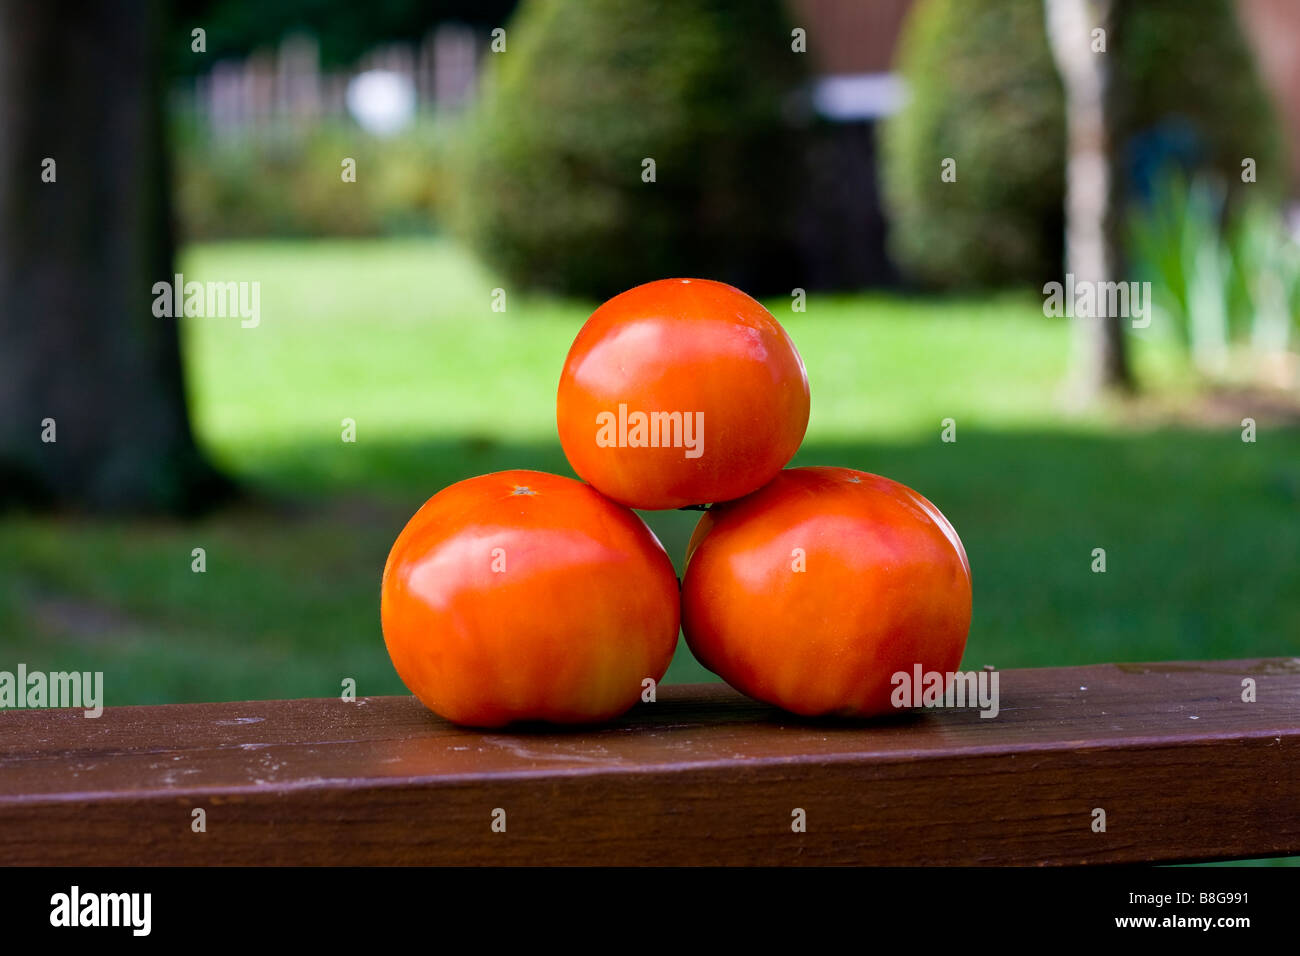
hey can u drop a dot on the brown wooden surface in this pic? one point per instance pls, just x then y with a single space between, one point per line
1183 768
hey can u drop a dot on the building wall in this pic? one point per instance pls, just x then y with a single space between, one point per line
1273 27
851 36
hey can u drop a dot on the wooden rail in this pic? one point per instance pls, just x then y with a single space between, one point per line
1182 766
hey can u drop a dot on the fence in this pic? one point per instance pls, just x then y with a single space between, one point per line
286 88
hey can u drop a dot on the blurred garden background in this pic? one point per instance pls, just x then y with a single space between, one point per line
897 180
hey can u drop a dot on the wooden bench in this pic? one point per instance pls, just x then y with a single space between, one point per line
1183 768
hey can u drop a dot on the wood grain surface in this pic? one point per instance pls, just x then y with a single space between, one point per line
1183 768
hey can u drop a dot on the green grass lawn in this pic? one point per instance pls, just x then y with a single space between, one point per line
1201 531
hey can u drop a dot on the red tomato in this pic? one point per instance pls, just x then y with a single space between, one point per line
681 392
814 591
527 596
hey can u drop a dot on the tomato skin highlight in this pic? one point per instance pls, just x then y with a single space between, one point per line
522 596
886 585
694 347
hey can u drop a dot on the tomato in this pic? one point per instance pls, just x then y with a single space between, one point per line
525 596
814 591
681 392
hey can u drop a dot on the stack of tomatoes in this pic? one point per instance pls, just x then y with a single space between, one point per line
522 596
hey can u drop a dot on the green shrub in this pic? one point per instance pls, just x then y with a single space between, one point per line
288 183
1177 244
551 190
1219 278
984 90
1186 62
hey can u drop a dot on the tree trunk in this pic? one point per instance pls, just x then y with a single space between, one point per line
84 360
1100 357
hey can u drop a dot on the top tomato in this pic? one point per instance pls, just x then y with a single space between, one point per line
681 392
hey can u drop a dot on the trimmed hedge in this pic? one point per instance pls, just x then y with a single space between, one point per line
550 177
984 90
